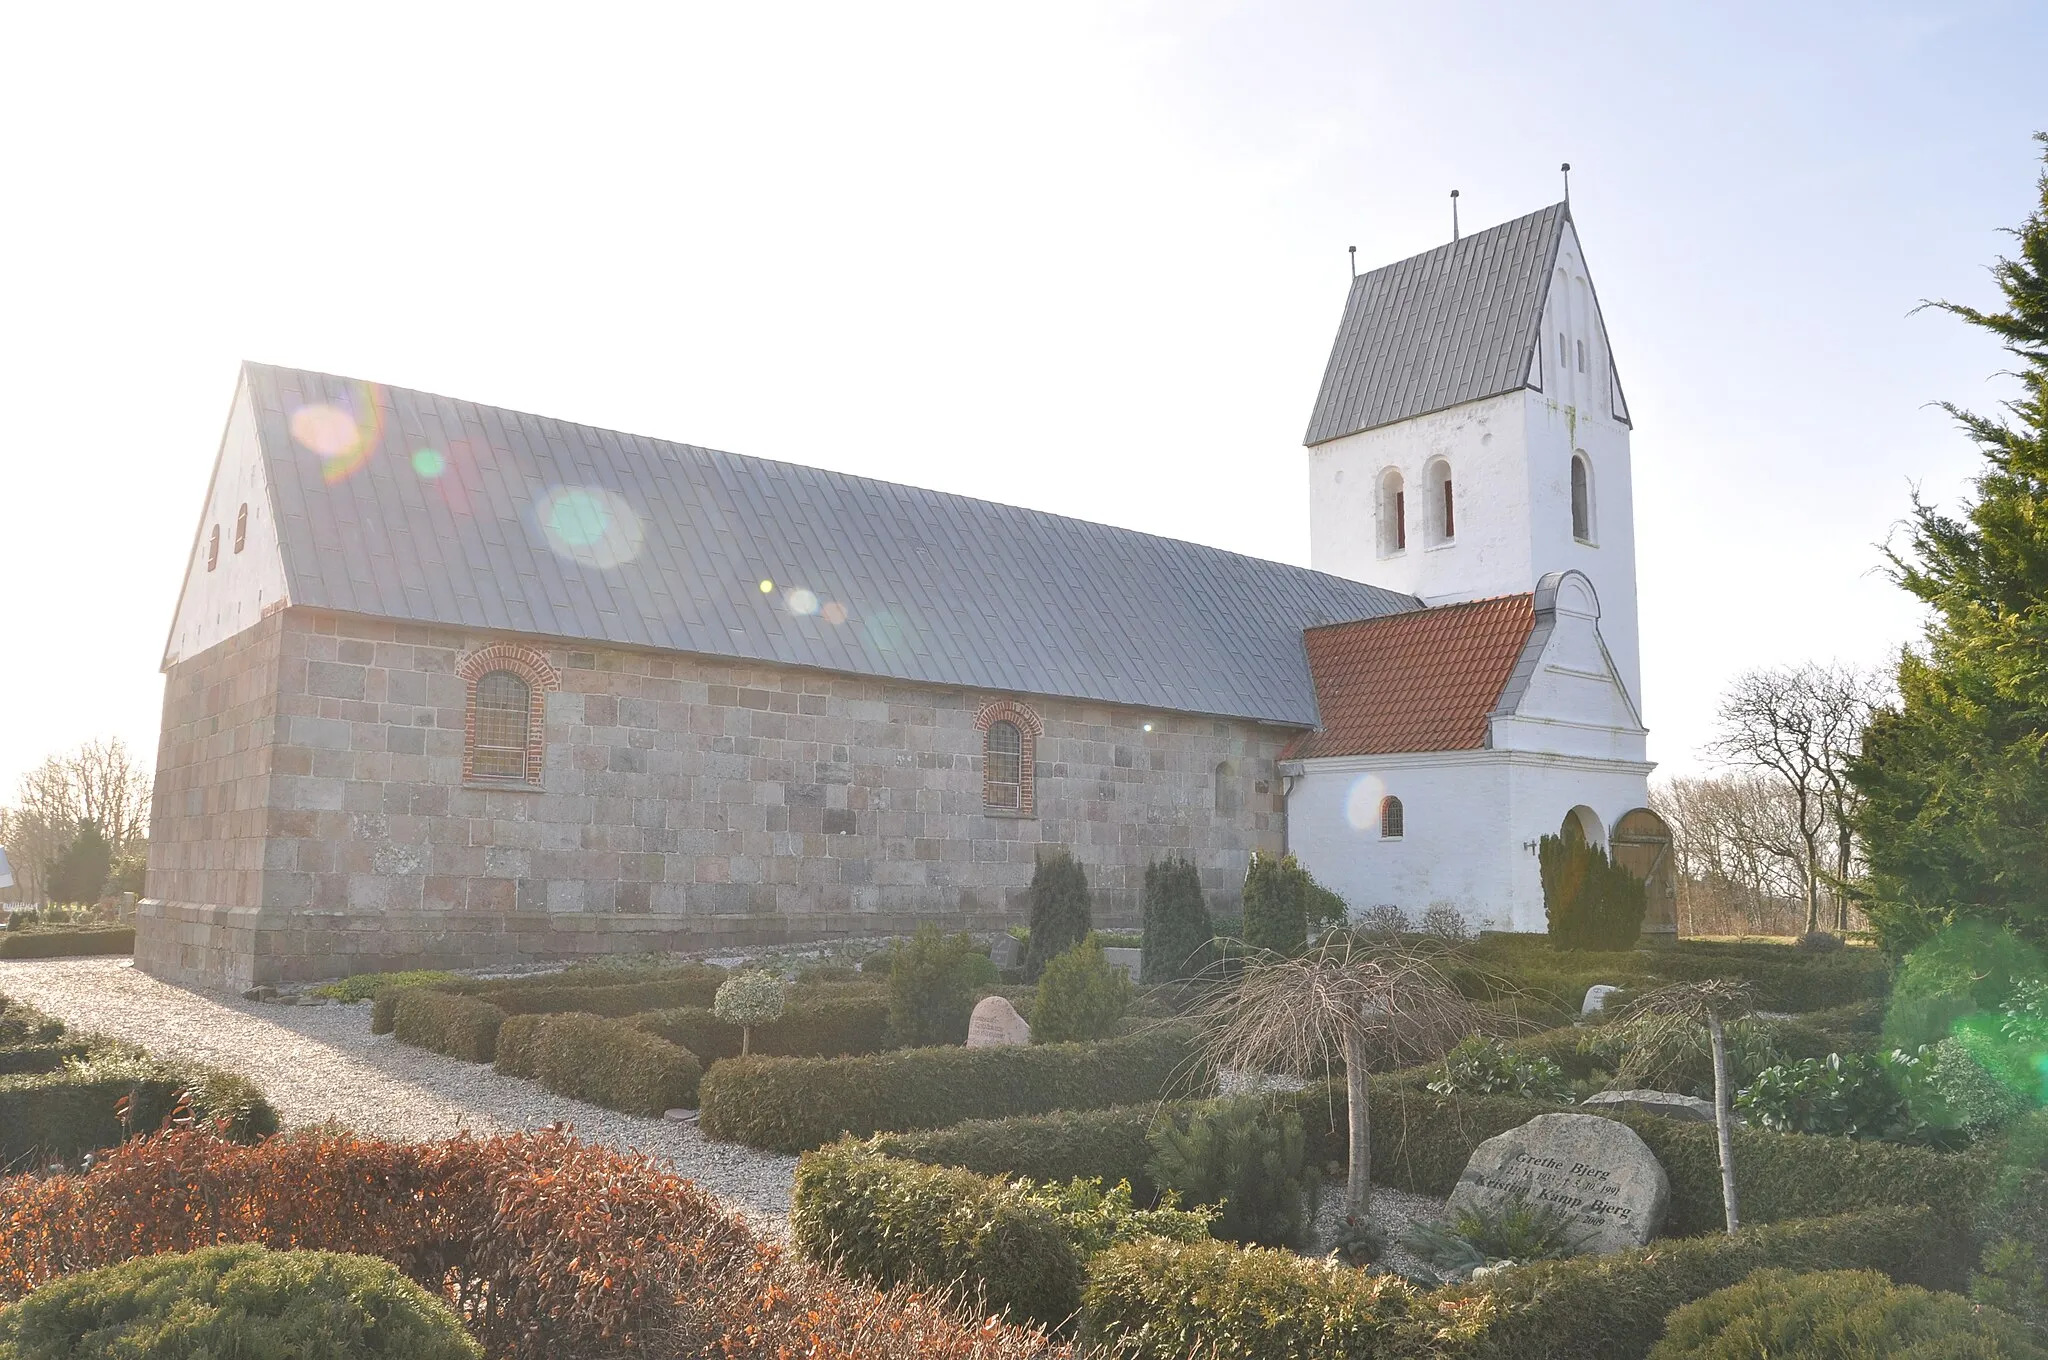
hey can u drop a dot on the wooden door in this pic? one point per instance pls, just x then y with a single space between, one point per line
1642 843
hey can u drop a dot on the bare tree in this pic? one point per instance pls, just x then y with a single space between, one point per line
1738 851
1801 726
101 782
111 790
1341 1003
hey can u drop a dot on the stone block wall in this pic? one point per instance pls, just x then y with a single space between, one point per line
689 802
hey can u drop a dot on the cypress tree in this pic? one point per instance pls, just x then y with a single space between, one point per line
1275 904
1177 925
1061 916
1954 776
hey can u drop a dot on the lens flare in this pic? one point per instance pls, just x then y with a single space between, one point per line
802 602
592 526
833 613
1362 802
429 463
884 632
767 586
344 435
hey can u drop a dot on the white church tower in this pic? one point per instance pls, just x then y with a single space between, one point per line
1471 436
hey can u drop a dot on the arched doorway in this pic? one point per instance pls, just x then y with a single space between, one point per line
1642 844
1583 824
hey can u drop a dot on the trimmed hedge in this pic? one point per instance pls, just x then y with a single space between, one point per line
590 992
33 1058
816 1023
237 1300
1784 979
446 1022
892 1222
21 1023
794 1104
1060 1146
587 1057
63 1115
1812 1315
40 942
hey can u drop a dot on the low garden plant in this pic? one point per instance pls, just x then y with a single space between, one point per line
365 986
1822 1315
1080 997
1480 1066
1246 1159
933 982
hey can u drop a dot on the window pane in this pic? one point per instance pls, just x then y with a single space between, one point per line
1004 764
1390 817
501 725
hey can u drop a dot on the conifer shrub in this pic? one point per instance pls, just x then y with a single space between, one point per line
1061 912
1244 1157
1275 904
1178 929
933 982
794 1104
1822 1315
236 1301
460 1026
606 1062
1590 901
1080 997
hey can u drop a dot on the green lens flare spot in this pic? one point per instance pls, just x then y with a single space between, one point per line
429 463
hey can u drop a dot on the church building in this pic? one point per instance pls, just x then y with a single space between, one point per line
450 685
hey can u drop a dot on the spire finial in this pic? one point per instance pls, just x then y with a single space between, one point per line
1567 169
1354 260
1454 215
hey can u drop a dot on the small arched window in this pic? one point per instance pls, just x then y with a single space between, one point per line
1228 802
1582 355
1003 766
1582 498
241 526
1393 525
1441 507
503 718
1390 818
1561 359
213 549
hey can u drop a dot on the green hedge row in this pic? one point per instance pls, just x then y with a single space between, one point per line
1060 1146
45 1057
592 993
21 1023
1789 981
892 1222
62 1115
1161 1300
587 1057
794 1104
817 1023
446 1022
65 941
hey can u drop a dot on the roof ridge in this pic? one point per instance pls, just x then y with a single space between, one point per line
1432 609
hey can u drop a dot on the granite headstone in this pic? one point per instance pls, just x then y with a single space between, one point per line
1596 998
1597 1172
996 1024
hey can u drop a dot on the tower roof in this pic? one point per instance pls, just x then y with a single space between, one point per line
1448 326
404 505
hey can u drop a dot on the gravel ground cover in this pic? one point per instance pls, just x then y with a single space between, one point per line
320 1063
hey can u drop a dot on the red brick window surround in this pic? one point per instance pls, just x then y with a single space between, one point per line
1009 754
504 727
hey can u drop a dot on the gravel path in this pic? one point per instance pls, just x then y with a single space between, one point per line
317 1063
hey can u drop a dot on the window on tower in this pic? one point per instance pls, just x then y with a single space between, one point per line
1442 508
1582 355
1582 497
1393 513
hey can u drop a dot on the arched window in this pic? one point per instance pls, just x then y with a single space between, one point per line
1390 818
213 549
503 707
1009 740
241 526
1582 355
1393 513
1442 508
1561 359
1003 777
1228 800
1582 498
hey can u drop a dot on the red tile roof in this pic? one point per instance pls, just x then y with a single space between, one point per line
1424 680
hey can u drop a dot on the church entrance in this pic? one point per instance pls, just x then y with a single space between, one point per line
1642 844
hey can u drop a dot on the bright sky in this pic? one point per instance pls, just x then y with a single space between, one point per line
1083 258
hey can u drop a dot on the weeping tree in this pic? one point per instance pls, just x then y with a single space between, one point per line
1713 1003
1344 1004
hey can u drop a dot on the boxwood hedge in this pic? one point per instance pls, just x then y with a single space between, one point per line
606 1062
51 942
793 1104
816 1023
1060 1146
446 1022
62 1115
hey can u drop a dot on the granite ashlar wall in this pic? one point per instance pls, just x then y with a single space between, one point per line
685 802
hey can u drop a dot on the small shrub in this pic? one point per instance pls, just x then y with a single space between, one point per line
1244 1157
747 999
793 1104
1516 1231
112 1092
1950 1089
1384 919
1080 997
1445 922
606 1062
1818 942
1276 904
933 981
236 1300
1177 924
1480 1067
1856 1096
365 986
463 1027
1827 1314
21 1023
2010 1279
1061 913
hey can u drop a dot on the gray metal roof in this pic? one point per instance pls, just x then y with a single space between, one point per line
545 527
1450 325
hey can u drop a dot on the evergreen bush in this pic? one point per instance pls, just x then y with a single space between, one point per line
1590 901
817 1023
1275 904
1061 914
606 1062
1178 929
1826 1315
1080 997
236 1301
460 1026
1246 1158
933 982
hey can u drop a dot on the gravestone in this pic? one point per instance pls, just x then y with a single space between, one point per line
996 1024
1132 961
1667 1103
1596 998
1597 1172
1007 951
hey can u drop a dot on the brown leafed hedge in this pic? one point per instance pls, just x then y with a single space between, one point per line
547 1246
